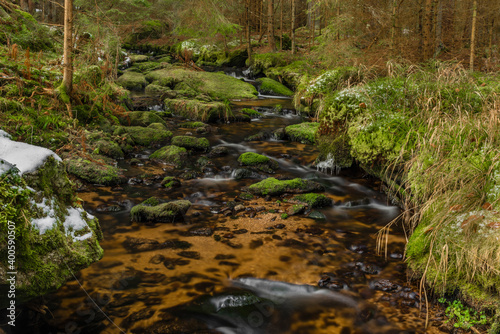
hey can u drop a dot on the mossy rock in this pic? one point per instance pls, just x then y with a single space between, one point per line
271 87
191 143
218 151
132 80
263 61
157 126
251 112
274 187
258 161
197 110
154 89
142 136
43 208
140 118
92 75
171 155
336 148
303 132
193 125
161 213
109 148
93 171
216 85
138 58
296 209
170 182
314 200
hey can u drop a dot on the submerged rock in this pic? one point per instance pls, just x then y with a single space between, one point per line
303 132
314 200
140 118
152 211
53 236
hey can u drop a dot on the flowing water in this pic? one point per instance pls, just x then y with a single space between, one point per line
248 271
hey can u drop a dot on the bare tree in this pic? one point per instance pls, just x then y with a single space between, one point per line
473 35
68 47
270 24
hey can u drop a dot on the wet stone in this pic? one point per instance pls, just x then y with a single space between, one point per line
109 208
230 264
170 263
384 285
224 257
122 299
157 259
190 255
240 231
256 244
358 248
368 268
136 316
201 231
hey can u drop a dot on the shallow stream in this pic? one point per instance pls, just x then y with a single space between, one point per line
250 271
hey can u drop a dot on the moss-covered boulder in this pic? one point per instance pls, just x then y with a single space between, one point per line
217 86
95 171
197 110
170 182
314 200
303 132
53 236
334 151
258 161
109 148
138 58
191 143
170 155
272 87
143 136
140 118
251 112
152 211
132 80
154 89
274 187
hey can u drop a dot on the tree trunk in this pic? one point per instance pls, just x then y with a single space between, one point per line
281 25
68 46
313 24
439 27
249 37
293 26
338 20
270 24
427 31
393 24
25 5
473 35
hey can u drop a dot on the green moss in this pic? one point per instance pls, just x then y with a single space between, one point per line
246 196
166 212
314 200
263 61
97 173
110 149
132 80
170 182
141 135
158 126
269 86
251 112
154 89
192 125
337 148
171 155
258 161
274 187
197 110
189 142
216 85
138 58
141 118
251 159
284 215
303 132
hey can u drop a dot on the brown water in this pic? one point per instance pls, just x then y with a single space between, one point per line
247 272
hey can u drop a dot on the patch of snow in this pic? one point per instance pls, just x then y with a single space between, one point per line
44 224
83 237
4 134
74 222
27 158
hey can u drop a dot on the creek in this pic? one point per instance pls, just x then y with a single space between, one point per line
252 271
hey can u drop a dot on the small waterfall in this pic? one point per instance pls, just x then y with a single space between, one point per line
328 164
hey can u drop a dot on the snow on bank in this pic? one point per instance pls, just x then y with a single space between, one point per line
27 158
73 222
